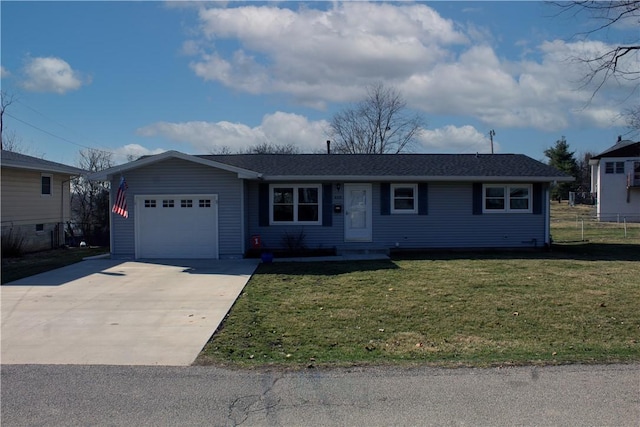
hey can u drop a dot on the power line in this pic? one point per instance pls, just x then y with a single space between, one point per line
54 135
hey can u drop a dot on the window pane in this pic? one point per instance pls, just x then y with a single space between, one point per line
307 195
46 185
283 195
619 167
403 204
497 204
403 192
519 204
517 192
308 213
494 191
283 212
608 167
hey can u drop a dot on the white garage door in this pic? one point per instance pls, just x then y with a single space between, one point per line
177 226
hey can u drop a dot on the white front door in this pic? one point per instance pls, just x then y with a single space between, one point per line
358 211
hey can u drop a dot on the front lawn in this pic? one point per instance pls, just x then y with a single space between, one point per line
450 310
576 303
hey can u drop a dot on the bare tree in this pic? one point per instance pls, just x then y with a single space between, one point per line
90 199
269 148
621 61
632 117
379 124
6 100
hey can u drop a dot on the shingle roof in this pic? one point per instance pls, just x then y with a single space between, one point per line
391 165
624 148
22 161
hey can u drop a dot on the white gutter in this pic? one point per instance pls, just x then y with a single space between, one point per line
419 178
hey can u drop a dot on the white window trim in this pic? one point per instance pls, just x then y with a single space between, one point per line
295 204
50 185
507 204
392 198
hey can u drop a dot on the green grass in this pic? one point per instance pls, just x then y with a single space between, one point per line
39 262
578 224
576 304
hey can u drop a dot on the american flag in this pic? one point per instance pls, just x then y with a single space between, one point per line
120 206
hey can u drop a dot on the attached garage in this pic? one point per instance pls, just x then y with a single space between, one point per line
176 226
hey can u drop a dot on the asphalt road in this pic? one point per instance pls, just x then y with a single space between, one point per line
65 395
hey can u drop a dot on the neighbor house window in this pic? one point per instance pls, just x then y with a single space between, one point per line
186 203
45 181
614 167
205 203
404 198
507 198
149 203
39 228
295 204
167 203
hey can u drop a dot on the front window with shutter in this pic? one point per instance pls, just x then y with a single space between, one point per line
297 204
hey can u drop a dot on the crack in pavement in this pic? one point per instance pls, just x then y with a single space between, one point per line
243 406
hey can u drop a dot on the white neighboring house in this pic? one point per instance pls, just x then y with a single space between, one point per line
615 179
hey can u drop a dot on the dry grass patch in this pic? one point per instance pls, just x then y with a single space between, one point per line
447 310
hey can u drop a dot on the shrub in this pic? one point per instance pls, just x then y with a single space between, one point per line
12 244
294 243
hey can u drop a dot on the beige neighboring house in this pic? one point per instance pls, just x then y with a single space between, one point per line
36 201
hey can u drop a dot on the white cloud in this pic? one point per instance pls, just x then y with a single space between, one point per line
132 152
454 139
4 73
319 56
209 137
308 51
51 74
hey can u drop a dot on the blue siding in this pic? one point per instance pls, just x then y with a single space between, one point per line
450 223
175 176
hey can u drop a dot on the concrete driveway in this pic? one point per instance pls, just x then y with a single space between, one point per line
110 312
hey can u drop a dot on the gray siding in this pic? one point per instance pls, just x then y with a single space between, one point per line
175 176
450 223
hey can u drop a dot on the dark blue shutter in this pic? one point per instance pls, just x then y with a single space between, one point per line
263 205
423 198
537 198
327 205
477 198
385 198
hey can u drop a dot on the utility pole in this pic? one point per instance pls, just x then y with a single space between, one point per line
492 133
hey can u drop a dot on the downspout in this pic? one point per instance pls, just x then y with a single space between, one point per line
243 220
111 223
547 218
61 232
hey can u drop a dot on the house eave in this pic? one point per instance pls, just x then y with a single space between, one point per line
63 171
419 178
121 169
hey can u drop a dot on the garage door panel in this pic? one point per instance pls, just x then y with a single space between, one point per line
177 226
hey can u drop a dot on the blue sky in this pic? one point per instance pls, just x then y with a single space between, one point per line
135 78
